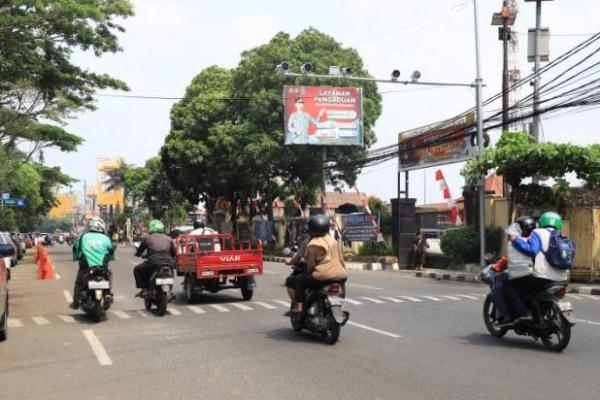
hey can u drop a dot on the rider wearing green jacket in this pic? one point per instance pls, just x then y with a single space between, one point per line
93 250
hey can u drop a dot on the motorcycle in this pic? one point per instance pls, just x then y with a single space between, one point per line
323 310
160 290
552 319
97 298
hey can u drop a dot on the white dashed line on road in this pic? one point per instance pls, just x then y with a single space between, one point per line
364 286
284 303
413 299
67 318
143 313
368 328
196 310
219 308
242 307
14 323
173 311
466 296
450 297
372 300
40 320
121 314
585 321
431 298
68 296
354 302
265 305
56 276
392 299
97 348
588 296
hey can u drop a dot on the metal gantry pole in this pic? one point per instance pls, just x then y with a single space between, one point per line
478 84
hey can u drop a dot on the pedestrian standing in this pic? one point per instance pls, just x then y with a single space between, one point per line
419 248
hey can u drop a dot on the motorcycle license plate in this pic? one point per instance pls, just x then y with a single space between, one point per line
98 285
165 281
565 306
336 301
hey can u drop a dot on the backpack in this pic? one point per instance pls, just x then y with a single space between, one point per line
561 251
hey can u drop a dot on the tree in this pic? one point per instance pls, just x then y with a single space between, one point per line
227 133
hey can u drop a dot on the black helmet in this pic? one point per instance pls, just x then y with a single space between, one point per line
318 225
198 223
527 224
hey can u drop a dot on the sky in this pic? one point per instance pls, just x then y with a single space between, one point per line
168 42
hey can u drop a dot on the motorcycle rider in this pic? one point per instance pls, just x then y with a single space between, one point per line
544 274
160 251
323 262
92 250
201 229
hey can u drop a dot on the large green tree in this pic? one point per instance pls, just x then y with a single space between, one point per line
226 138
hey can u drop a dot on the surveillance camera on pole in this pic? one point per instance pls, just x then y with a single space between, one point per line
395 75
415 76
306 68
283 67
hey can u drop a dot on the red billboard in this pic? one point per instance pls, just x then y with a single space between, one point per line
323 115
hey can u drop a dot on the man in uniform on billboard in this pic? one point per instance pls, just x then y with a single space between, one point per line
299 122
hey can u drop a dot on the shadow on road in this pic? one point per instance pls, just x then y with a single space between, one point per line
487 340
290 335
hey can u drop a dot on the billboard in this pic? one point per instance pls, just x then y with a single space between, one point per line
444 142
323 115
359 228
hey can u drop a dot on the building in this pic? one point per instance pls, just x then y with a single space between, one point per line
102 202
68 204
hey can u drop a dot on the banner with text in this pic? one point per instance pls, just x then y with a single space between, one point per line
359 228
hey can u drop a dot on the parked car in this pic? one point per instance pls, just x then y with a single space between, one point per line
5 251
19 242
12 260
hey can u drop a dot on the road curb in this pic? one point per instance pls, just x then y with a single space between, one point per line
349 265
585 290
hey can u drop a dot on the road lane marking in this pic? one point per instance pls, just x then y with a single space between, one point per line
466 296
354 302
40 320
414 299
368 328
242 307
67 318
121 314
143 313
450 297
575 297
392 299
589 296
585 321
14 323
56 276
196 310
219 308
372 300
173 311
134 263
483 296
284 303
68 296
431 298
265 305
97 348
364 286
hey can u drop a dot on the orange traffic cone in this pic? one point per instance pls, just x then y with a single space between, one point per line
45 268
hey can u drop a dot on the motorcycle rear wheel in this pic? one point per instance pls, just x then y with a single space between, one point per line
560 338
488 319
148 304
161 304
97 312
332 334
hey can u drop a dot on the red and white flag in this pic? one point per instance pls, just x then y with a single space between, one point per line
454 216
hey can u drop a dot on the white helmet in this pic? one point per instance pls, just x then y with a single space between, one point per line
96 225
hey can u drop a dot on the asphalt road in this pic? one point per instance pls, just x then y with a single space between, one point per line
429 344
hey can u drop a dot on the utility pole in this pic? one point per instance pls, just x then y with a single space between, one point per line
505 19
536 68
478 84
324 179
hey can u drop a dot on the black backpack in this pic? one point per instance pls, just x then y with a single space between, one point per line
561 251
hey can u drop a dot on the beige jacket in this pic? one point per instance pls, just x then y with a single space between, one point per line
324 259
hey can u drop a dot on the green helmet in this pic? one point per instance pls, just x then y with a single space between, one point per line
156 226
550 220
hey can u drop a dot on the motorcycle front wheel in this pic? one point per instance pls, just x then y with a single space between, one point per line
488 318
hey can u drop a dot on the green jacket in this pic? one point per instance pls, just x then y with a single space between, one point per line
95 248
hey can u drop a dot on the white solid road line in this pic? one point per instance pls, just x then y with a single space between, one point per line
242 307
97 348
585 321
368 328
68 296
284 303
363 286
219 308
121 314
466 296
392 299
40 320
450 297
67 318
372 300
173 311
483 296
354 302
265 305
14 323
196 310
588 296
431 298
411 299
575 297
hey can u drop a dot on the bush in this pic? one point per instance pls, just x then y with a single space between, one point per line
462 244
376 249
